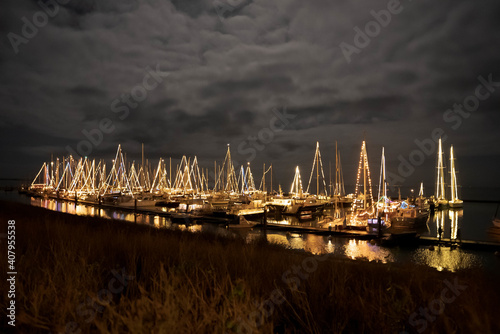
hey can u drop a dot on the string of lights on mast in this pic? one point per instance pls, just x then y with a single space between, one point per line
364 168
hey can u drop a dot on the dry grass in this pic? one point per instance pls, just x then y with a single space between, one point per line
198 283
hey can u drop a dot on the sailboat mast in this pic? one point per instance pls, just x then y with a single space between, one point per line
330 176
215 177
442 176
385 181
142 167
440 194
229 169
453 180
242 173
264 178
337 190
438 169
382 188
271 178
317 169
364 176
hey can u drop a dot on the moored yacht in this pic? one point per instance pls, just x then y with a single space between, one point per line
440 202
454 202
409 217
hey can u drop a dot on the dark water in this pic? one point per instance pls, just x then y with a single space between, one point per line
473 222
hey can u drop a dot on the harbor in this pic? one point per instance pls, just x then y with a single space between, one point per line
183 195
317 217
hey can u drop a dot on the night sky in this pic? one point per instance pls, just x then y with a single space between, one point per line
190 77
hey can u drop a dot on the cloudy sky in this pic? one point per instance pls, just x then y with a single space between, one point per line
224 69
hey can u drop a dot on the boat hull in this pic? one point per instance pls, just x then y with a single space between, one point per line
411 223
303 210
456 204
442 204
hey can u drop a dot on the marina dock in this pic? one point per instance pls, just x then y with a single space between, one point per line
348 232
463 244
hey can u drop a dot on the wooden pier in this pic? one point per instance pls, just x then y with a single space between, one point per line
463 244
348 233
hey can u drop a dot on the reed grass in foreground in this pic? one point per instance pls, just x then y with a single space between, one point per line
88 275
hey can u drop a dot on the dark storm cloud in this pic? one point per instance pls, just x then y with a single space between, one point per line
227 74
363 111
87 91
245 86
214 122
291 146
193 8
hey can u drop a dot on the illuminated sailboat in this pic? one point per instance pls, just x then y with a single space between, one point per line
383 201
318 164
421 200
455 202
247 181
296 189
363 207
281 204
41 181
230 185
116 187
300 206
441 201
363 200
409 217
338 194
183 180
161 183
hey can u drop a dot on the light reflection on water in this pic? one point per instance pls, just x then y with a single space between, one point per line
362 249
446 258
450 222
89 210
317 244
441 258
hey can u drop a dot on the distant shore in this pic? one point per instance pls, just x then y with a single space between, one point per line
100 275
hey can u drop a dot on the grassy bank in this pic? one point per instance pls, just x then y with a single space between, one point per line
97 275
